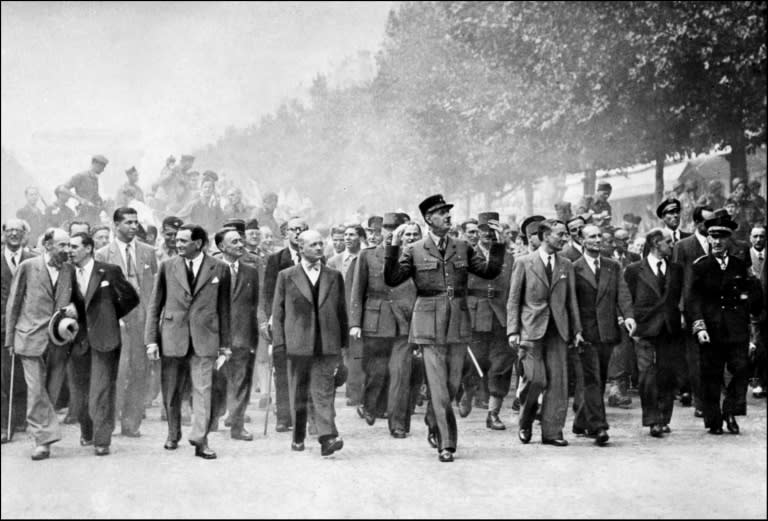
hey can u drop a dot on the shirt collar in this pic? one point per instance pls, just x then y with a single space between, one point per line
653 261
435 238
544 256
88 267
196 262
123 244
578 247
9 254
310 265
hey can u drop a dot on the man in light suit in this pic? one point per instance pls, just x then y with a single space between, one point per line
104 296
543 319
604 304
310 325
15 231
188 323
285 258
139 264
41 286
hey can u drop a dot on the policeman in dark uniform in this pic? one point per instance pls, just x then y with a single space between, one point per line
487 300
720 301
439 266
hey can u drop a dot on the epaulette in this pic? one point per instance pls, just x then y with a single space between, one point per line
700 258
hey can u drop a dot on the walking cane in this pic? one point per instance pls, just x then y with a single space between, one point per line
474 361
269 394
10 393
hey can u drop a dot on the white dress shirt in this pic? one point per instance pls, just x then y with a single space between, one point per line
10 257
312 270
544 256
132 245
84 275
196 263
52 271
653 262
592 262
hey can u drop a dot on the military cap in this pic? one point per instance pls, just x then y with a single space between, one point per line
483 218
99 159
131 170
235 224
375 221
210 175
669 204
172 222
392 220
170 159
433 203
604 186
531 224
404 216
720 224
187 157
252 224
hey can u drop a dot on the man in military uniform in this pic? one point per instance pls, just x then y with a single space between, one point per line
487 300
130 191
720 302
669 212
441 323
381 315
86 190
601 208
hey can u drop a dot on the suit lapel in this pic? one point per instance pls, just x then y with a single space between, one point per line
582 269
238 280
115 257
302 282
180 272
93 283
559 272
45 276
650 279
205 272
606 277
326 283
537 265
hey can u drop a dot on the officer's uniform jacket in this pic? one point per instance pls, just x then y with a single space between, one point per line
441 313
488 298
379 310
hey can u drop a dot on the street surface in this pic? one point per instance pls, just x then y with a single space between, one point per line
688 474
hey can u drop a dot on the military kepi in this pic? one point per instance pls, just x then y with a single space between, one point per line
484 218
432 204
667 205
392 220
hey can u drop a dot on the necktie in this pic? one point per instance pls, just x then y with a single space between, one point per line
129 270
662 277
190 276
548 268
722 263
597 270
441 245
233 269
81 280
13 261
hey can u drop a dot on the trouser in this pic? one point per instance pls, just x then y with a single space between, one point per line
443 366
545 368
688 369
593 359
623 363
19 399
313 376
42 423
282 398
387 364
416 381
237 376
656 365
353 359
376 353
77 401
133 375
715 357
95 377
496 359
56 370
153 382
759 363
176 373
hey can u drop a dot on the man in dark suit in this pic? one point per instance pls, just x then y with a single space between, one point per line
382 315
15 231
685 252
188 322
669 212
244 298
721 299
574 250
656 285
285 258
104 296
41 286
487 300
604 303
441 323
310 324
542 320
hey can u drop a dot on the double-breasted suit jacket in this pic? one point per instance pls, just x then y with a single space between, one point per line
245 308
602 303
178 316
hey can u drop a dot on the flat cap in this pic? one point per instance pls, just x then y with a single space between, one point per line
98 158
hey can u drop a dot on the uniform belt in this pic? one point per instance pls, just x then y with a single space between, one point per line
449 292
378 294
483 293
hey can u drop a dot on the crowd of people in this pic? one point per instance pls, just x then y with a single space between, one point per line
102 318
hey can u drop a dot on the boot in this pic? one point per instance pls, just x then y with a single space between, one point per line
492 421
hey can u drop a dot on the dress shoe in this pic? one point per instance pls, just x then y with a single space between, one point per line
330 446
203 451
665 429
698 413
131 434
465 406
102 450
579 431
242 435
556 442
85 443
171 445
360 411
445 456
493 422
715 430
516 405
524 435
41 452
432 439
686 400
398 433
282 427
731 425
601 437
657 431
297 446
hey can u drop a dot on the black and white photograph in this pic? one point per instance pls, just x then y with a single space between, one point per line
383 260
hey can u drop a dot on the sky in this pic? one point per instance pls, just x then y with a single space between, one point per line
138 81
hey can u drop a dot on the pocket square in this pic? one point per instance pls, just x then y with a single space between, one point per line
215 280
146 266
104 283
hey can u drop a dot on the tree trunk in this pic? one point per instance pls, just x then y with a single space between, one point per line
738 157
528 189
659 185
590 179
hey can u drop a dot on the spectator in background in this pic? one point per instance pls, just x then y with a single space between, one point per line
86 190
205 209
266 214
59 215
637 246
563 211
235 207
754 194
470 232
130 191
100 236
601 208
267 244
151 235
337 240
631 223
688 199
31 213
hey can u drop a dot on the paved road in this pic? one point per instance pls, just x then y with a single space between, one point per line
689 474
